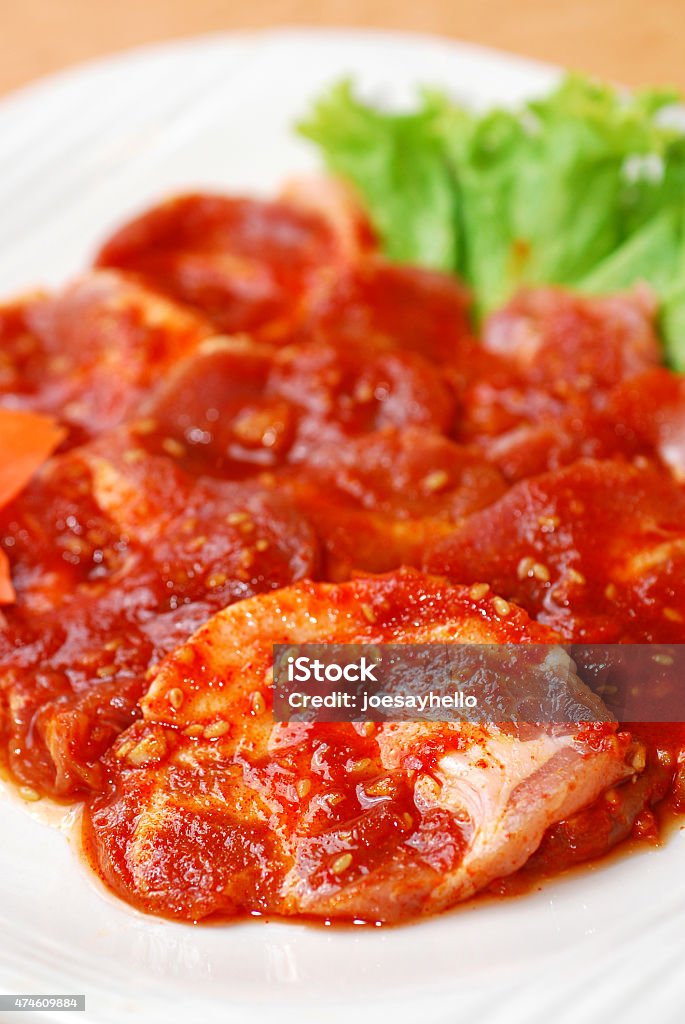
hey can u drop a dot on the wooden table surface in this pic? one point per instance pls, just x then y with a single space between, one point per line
633 41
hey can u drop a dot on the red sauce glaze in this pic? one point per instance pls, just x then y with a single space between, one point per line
594 550
337 811
245 264
550 354
104 590
386 306
351 803
89 354
350 424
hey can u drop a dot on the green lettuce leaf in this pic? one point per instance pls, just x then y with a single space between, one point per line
397 163
584 187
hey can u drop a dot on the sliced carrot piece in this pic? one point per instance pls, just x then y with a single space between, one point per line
7 595
26 441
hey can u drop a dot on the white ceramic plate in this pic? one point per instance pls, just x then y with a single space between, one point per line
78 154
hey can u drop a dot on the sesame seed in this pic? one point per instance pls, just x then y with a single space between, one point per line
368 612
672 615
59 364
173 447
525 567
257 703
193 731
436 481
133 455
576 577
257 428
175 697
105 671
74 545
29 793
150 748
216 579
639 759
407 820
540 572
147 426
478 591
362 765
341 863
367 728
303 787
196 543
237 517
216 729
501 606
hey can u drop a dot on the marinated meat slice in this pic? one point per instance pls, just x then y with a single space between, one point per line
535 448
57 537
215 412
618 814
245 264
408 473
237 406
89 353
202 534
211 807
354 390
650 409
116 557
383 305
642 417
560 340
596 550
553 353
70 681
377 500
